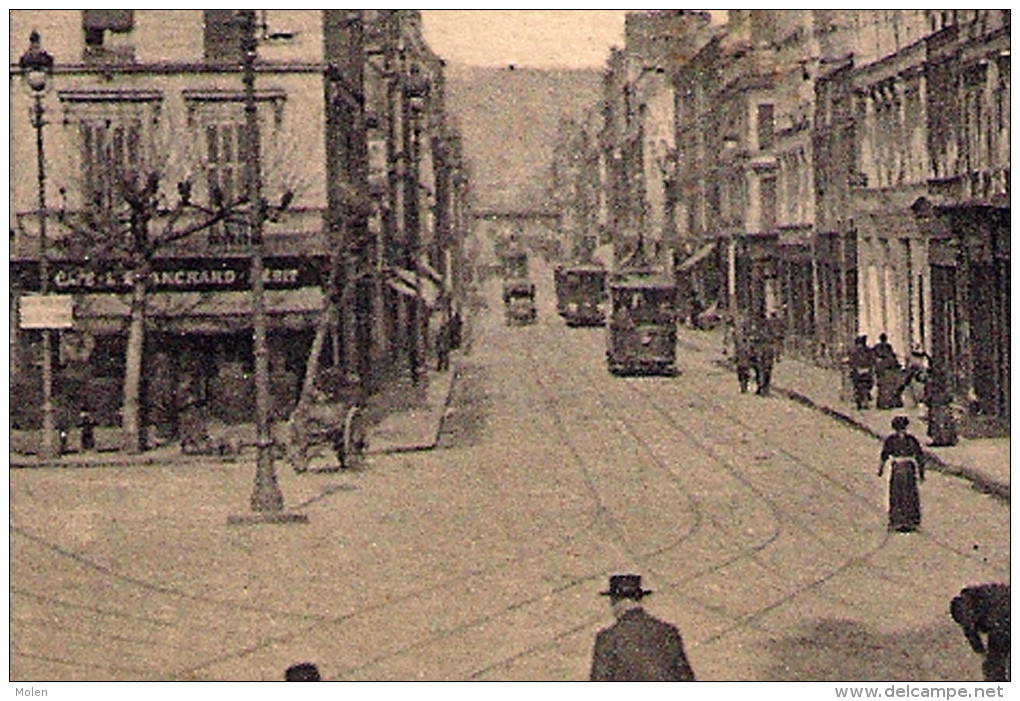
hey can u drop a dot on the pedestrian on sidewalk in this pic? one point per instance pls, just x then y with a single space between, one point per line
443 347
889 375
862 372
638 647
907 469
984 610
918 366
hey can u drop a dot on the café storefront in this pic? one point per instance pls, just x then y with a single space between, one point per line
198 345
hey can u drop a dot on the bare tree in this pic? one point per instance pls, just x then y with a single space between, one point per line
125 216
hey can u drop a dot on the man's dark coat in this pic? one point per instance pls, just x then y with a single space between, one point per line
639 647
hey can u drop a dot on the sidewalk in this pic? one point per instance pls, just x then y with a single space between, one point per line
985 461
415 423
412 420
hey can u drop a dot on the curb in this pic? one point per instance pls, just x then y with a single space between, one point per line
979 480
422 447
139 461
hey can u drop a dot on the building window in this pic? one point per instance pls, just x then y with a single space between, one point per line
219 132
768 204
226 153
115 133
766 126
106 33
112 153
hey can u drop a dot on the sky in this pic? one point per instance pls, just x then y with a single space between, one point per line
532 38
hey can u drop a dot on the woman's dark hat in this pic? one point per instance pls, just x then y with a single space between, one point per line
625 586
900 423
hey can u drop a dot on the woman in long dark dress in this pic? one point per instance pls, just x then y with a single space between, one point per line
907 459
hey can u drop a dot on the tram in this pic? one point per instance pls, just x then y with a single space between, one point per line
580 292
641 333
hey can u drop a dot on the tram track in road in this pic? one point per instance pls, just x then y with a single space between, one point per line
647 400
308 622
719 409
605 512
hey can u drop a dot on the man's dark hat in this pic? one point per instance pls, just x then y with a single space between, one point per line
626 586
303 672
900 422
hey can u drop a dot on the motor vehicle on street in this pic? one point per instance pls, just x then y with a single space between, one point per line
641 333
580 294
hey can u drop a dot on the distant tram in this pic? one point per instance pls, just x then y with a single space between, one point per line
641 333
580 291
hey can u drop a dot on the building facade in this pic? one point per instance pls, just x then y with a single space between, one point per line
160 93
845 170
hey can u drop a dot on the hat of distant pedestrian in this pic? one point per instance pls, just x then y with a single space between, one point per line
626 586
303 672
900 423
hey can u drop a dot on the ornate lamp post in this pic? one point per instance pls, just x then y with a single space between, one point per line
36 65
266 498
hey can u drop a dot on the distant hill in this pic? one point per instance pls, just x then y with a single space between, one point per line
509 119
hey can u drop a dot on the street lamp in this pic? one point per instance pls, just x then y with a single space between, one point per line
36 65
266 498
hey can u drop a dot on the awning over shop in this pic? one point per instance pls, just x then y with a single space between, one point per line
199 312
701 254
420 282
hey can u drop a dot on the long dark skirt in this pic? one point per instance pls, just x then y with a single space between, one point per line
890 389
904 500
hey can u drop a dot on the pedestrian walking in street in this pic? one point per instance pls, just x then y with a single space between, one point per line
742 353
638 647
984 610
907 458
763 356
862 372
302 672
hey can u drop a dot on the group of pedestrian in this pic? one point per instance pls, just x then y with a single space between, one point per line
757 347
879 367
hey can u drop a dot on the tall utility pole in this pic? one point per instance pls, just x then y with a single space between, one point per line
266 498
